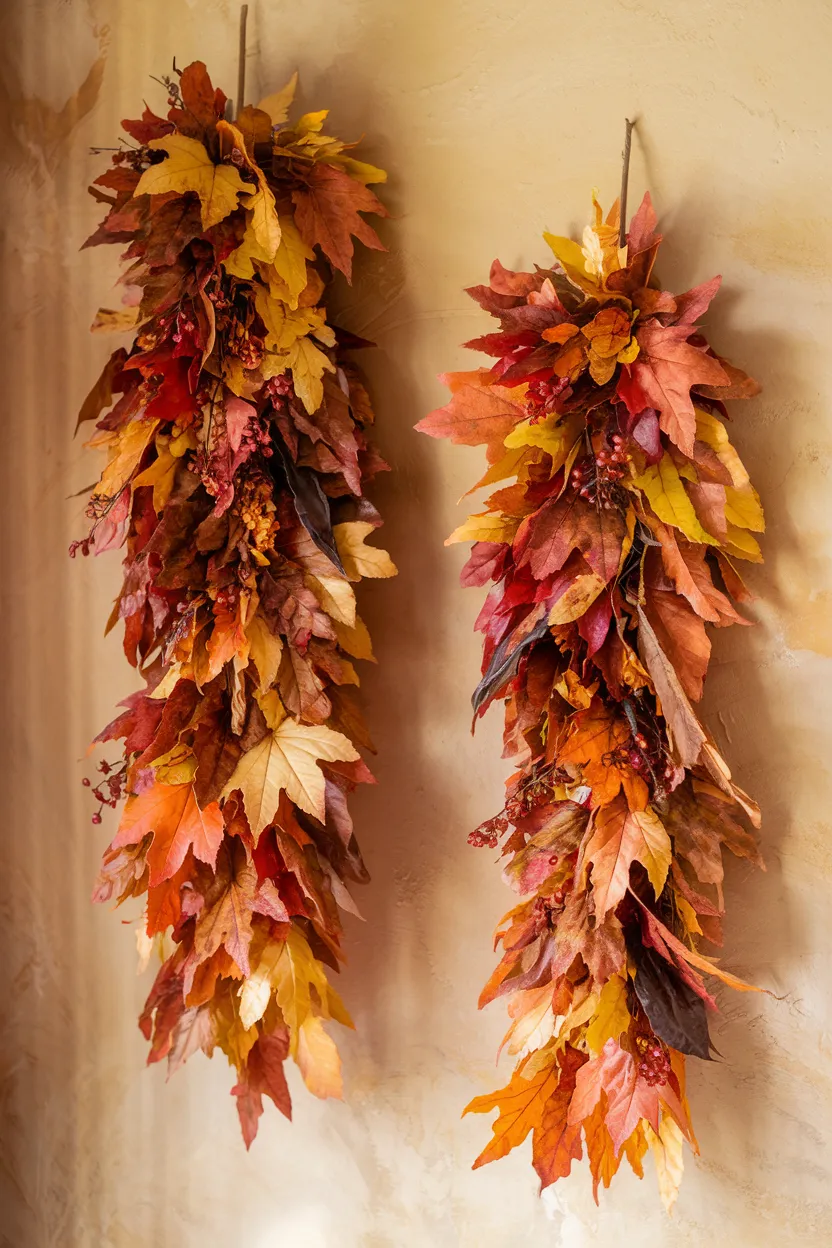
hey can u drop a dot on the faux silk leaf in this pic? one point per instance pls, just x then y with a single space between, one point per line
288 759
667 368
619 838
171 813
188 167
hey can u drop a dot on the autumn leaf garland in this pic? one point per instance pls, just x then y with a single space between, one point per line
619 511
237 442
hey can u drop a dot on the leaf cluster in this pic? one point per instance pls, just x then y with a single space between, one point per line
617 514
236 433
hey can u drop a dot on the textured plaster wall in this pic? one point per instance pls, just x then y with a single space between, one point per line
495 121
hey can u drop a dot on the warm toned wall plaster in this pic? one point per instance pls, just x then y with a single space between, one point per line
495 120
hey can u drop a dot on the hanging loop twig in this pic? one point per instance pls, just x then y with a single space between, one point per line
625 177
241 61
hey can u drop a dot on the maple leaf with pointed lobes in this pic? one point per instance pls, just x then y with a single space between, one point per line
188 167
287 759
667 368
521 1104
546 538
172 813
225 918
327 215
619 837
475 414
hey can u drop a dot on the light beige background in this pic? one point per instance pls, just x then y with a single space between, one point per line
495 120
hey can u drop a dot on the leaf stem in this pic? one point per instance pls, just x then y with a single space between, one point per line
241 60
625 178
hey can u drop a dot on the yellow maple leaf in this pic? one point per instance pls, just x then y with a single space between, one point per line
358 559
189 168
318 1059
160 474
308 365
289 263
288 759
277 104
289 970
666 494
485 528
266 650
577 599
335 595
128 450
355 639
611 1015
668 1159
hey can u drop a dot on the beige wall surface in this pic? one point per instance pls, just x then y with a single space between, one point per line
495 120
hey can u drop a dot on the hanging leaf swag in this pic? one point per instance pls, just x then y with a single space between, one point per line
236 434
619 513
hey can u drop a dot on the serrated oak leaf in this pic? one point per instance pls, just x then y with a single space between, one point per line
475 414
357 558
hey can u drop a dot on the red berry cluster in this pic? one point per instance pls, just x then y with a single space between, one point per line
654 1064
257 436
542 398
488 833
538 790
113 782
596 479
278 388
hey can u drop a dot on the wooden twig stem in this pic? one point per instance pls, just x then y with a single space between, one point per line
625 178
241 61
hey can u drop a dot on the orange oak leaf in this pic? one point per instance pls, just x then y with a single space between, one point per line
546 538
620 837
556 1143
327 215
666 369
521 1104
172 814
476 413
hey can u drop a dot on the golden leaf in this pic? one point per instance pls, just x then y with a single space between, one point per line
287 759
266 650
189 168
667 496
358 559
277 104
612 1015
485 528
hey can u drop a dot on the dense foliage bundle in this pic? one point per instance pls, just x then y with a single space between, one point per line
612 546
238 455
